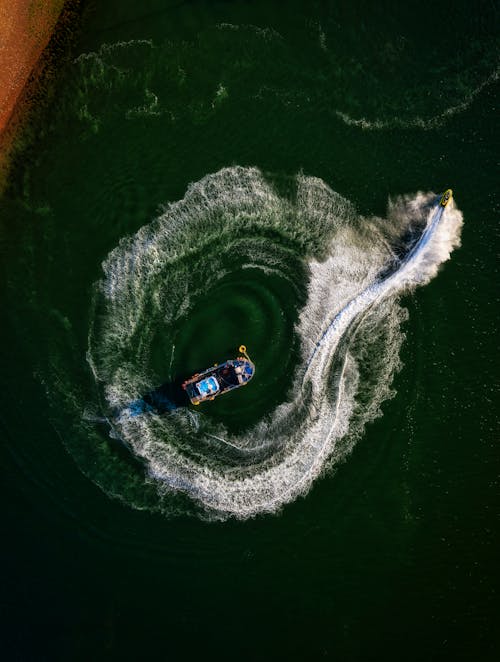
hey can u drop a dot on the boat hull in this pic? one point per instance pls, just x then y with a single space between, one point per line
221 378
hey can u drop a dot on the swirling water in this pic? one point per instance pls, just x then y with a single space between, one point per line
233 223
219 173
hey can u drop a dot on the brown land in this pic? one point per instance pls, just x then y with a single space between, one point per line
25 30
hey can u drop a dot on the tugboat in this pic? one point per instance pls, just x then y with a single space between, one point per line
446 197
224 377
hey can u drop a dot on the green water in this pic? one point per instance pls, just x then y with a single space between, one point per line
277 137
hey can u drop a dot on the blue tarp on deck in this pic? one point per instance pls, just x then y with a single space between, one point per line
207 386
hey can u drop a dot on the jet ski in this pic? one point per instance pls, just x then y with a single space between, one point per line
219 379
446 197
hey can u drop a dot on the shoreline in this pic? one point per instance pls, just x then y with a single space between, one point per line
29 36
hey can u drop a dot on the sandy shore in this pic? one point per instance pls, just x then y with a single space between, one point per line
25 30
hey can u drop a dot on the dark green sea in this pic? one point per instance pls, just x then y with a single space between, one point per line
207 174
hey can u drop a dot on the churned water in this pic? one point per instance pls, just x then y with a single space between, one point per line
208 175
233 221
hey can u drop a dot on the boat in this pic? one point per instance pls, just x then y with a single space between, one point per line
219 379
446 197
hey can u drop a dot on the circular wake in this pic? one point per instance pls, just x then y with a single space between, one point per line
291 270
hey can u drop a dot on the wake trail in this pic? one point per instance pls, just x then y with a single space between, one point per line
355 278
376 291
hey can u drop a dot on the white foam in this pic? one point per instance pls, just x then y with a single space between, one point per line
350 305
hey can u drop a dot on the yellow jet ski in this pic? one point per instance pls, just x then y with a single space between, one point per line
446 197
